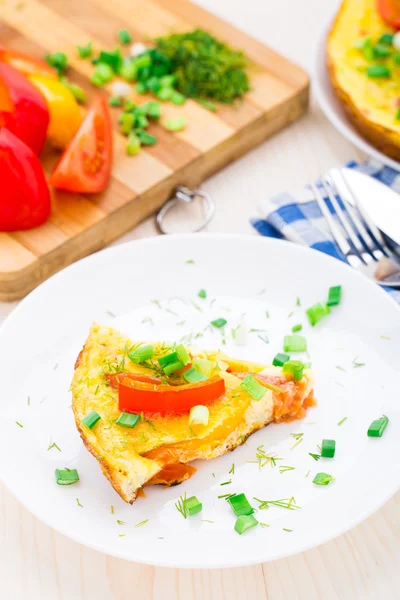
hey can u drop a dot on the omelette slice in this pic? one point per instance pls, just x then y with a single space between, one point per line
111 370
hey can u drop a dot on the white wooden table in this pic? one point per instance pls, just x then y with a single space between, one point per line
38 563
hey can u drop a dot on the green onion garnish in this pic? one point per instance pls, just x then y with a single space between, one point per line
167 358
328 448
141 354
178 99
177 124
334 295
85 51
58 60
124 36
91 419
66 476
208 105
133 145
294 368
219 323
153 109
280 359
75 90
245 522
378 426
378 71
253 388
294 343
202 294
193 506
114 101
240 505
203 365
172 367
146 139
192 375
127 420
382 51
127 121
102 74
386 38
297 327
182 353
317 312
323 479
199 415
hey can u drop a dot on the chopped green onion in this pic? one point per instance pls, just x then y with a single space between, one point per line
398 114
396 59
296 328
66 476
177 124
192 505
245 522
208 105
128 71
114 101
182 354
323 479
127 420
253 388
124 36
202 294
127 121
164 94
167 358
102 74
219 323
378 426
328 448
129 106
294 343
85 51
360 43
178 99
294 368
386 38
145 138
192 375
91 419
58 60
168 80
368 49
280 359
317 312
378 71
334 295
75 90
240 505
382 51
170 368
203 365
153 110
199 415
133 145
112 58
153 84
141 354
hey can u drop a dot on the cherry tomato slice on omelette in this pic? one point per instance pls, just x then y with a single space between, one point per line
26 64
25 196
23 110
390 12
85 166
135 396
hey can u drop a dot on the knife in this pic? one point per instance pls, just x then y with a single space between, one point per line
376 201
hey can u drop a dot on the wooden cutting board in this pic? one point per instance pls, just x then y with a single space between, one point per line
80 225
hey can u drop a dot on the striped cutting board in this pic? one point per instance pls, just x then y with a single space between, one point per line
80 225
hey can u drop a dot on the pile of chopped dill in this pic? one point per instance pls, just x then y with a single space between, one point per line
205 67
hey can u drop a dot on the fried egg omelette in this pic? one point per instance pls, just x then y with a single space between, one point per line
159 447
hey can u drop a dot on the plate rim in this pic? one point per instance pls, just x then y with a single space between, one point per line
240 561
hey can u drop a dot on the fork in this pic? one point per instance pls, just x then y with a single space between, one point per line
359 240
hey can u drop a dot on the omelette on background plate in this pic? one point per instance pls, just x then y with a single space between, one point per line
147 410
363 61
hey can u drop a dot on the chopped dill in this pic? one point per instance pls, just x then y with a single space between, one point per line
141 523
190 262
171 312
263 459
181 506
232 471
263 339
19 424
120 522
267 314
206 521
148 320
110 313
29 400
288 530
262 292
43 399
342 421
291 314
252 330
288 503
356 363
339 368
196 306
53 445
298 301
308 472
55 366
298 437
264 524
213 474
315 456
150 424
180 323
192 433
112 509
226 482
97 389
385 337
157 303
78 503
284 468
121 534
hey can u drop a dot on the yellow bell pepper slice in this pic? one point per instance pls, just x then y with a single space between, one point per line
65 113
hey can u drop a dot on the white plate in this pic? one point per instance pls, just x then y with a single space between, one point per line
41 339
333 110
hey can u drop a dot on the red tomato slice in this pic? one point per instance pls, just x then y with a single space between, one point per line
26 64
134 396
390 12
85 166
114 379
29 117
25 196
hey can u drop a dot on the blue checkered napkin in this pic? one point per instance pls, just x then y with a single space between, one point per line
297 217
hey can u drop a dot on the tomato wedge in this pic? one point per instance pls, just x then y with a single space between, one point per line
114 379
390 12
25 196
26 64
85 166
29 117
134 396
